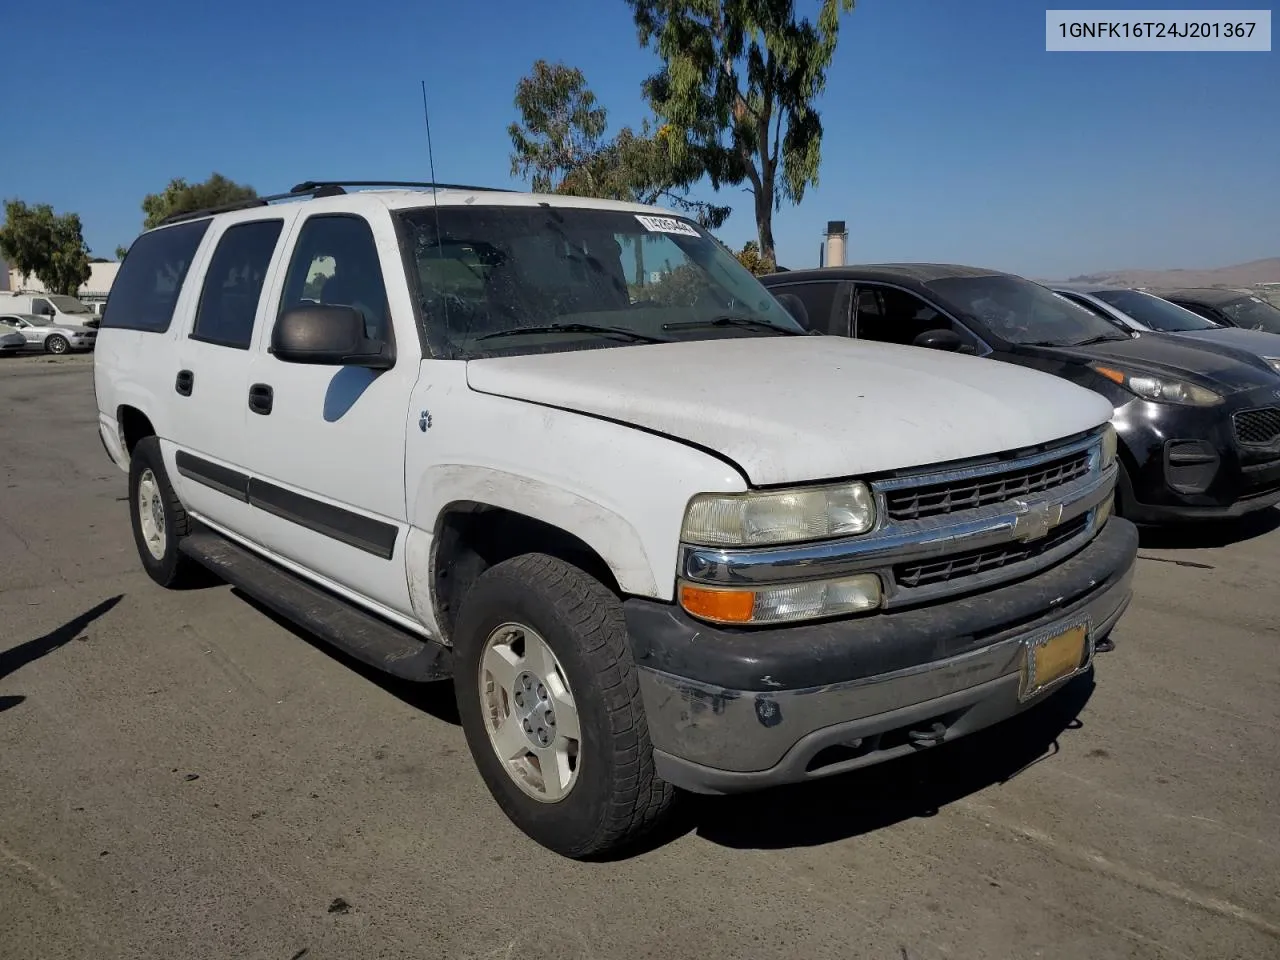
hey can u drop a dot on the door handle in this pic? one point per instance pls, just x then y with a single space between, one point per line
260 398
186 380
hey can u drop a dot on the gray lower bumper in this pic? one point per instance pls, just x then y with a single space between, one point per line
709 739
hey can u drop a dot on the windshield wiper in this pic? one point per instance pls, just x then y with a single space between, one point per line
1100 338
729 321
576 328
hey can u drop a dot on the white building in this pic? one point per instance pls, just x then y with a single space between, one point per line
96 288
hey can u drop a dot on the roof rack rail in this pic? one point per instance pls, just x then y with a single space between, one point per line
335 186
246 204
318 188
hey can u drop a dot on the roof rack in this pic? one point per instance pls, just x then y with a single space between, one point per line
333 187
319 188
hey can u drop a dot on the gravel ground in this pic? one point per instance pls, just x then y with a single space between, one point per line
184 776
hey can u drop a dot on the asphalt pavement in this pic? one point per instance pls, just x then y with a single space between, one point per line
182 776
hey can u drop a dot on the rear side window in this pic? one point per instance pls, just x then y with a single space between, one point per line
335 262
233 283
151 277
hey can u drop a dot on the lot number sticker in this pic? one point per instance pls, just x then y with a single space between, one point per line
666 225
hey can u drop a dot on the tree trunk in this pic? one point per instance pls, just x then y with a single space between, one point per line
764 220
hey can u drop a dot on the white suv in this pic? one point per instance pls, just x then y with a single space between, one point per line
571 454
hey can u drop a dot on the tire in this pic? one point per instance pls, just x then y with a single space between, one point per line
613 797
56 344
157 542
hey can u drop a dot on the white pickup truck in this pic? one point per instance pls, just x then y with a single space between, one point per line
570 454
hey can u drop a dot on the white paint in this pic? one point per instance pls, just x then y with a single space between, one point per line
621 491
795 409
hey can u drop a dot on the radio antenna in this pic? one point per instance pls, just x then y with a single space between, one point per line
426 117
435 197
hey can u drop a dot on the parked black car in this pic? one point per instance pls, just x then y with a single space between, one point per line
1199 423
1230 308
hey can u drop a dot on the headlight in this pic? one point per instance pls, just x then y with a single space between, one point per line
1108 446
1275 363
782 603
1161 389
763 517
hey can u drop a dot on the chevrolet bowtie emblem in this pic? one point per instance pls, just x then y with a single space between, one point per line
1035 520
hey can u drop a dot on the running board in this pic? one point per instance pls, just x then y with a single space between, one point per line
364 636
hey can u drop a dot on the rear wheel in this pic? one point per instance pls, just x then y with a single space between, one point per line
159 519
550 703
56 344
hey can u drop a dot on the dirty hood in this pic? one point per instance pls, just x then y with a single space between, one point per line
795 409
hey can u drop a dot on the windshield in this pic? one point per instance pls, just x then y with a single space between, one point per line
1154 313
1253 314
1019 311
503 279
69 305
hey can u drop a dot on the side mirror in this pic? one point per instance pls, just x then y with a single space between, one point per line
329 335
939 340
794 306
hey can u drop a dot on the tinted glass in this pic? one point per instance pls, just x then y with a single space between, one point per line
233 283
69 305
335 262
1154 313
818 300
1253 314
151 277
487 276
1022 312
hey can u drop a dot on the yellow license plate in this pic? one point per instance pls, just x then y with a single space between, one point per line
1053 657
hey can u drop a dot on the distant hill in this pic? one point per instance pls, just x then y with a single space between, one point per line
1240 275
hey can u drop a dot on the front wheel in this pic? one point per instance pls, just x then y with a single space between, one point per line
56 344
550 703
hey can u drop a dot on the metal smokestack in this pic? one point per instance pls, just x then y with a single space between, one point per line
836 237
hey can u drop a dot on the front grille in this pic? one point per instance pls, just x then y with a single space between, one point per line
929 501
1258 427
990 558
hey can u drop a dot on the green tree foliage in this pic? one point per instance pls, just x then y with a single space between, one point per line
559 146
737 86
182 197
46 245
120 252
749 256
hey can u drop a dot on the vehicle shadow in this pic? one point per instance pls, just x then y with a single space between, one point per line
863 801
435 698
822 811
15 658
1209 534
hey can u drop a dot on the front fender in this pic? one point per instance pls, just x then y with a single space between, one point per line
607 533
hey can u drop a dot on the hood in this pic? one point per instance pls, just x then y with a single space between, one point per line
1217 366
1255 341
796 409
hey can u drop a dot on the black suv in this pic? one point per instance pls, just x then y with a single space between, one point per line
1199 423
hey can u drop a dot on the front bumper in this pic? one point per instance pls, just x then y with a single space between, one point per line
733 710
1184 463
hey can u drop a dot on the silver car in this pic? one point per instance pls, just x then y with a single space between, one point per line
44 333
11 341
1137 310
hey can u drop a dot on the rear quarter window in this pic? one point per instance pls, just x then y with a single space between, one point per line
151 277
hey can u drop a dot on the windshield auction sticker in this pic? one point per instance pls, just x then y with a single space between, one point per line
666 225
1158 31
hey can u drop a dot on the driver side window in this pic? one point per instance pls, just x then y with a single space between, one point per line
889 315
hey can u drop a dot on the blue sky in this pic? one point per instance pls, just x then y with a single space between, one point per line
950 133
